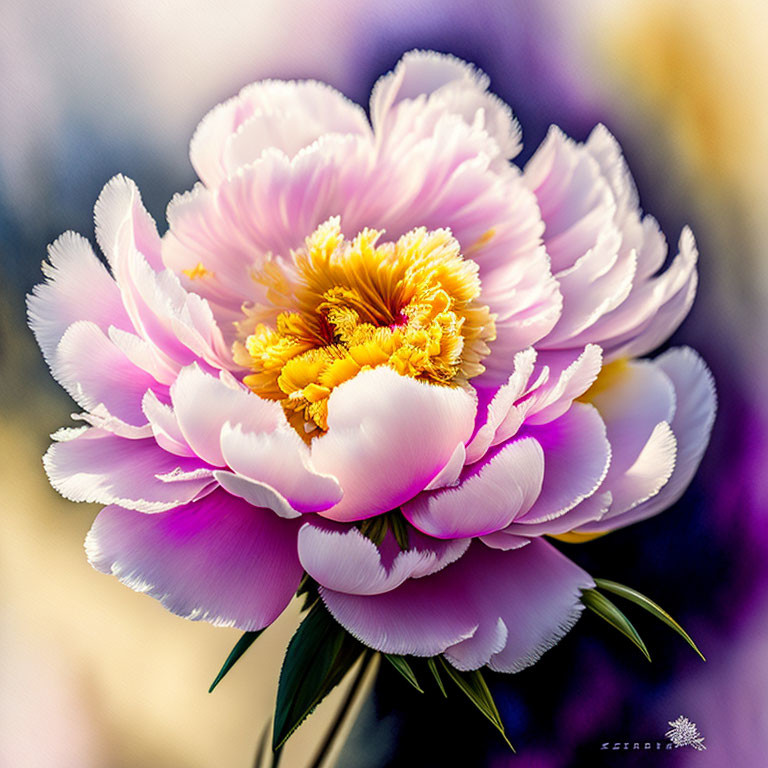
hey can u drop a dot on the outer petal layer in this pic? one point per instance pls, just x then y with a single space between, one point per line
219 559
533 592
690 426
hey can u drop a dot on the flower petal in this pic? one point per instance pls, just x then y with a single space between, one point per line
94 371
576 458
691 424
490 494
60 301
270 114
219 559
201 426
341 558
100 467
449 85
388 437
279 459
119 205
534 591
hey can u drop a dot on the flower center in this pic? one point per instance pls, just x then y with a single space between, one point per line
340 307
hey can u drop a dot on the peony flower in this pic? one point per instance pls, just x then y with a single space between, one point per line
380 354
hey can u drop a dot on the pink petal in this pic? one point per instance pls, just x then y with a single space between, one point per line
490 494
218 559
119 205
95 372
450 85
60 301
533 591
285 115
604 254
637 409
279 460
576 203
388 437
342 559
201 426
100 467
673 294
571 374
165 426
497 417
179 325
592 508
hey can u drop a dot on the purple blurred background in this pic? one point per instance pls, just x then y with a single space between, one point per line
93 675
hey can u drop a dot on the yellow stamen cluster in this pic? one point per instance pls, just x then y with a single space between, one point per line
352 305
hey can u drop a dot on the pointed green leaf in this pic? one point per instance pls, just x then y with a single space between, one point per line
607 611
433 669
645 602
473 685
241 646
399 528
404 668
320 653
374 528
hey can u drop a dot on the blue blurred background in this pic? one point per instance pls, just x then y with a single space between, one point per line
92 675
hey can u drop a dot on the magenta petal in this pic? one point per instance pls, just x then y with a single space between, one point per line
576 458
218 559
534 591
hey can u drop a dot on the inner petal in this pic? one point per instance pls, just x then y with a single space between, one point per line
341 306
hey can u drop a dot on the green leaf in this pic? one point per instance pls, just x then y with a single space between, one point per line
241 646
433 669
374 528
307 588
399 528
645 602
607 611
473 685
404 668
320 653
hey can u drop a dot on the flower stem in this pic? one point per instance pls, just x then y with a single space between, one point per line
330 737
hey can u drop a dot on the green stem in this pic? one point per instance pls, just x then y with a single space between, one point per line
330 737
262 745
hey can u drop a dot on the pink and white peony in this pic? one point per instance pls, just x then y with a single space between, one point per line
354 326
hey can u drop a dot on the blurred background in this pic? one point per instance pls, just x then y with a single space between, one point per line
93 675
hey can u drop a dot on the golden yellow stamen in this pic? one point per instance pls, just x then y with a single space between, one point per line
197 272
348 306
